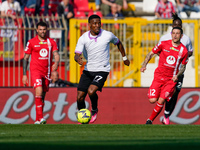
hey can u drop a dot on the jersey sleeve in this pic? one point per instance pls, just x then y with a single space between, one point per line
114 39
158 48
189 45
18 8
80 45
54 46
3 8
185 59
28 49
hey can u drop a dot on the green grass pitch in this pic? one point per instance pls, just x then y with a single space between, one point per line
97 136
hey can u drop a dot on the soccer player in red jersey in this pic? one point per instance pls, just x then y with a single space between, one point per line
41 48
185 40
172 53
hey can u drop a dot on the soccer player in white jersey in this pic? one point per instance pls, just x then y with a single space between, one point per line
94 44
185 40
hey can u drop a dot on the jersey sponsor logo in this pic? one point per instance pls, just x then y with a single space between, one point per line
166 50
43 52
37 46
172 48
171 60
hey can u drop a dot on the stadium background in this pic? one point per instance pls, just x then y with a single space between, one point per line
119 105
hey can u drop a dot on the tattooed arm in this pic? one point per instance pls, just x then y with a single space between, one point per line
25 64
147 59
181 71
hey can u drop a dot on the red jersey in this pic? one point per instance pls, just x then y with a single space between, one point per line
170 58
41 55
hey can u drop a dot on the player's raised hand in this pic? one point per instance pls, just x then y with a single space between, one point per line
24 80
127 62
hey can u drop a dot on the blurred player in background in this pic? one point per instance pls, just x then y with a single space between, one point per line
185 40
94 45
172 53
41 48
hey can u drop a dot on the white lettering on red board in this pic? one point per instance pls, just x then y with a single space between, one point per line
58 115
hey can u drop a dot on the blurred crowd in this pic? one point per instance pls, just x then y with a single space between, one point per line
80 8
69 8
165 8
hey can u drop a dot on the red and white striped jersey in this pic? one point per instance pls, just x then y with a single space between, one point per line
165 10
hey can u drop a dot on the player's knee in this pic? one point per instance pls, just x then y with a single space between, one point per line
38 91
91 92
152 100
80 97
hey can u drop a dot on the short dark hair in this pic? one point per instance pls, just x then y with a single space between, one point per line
175 17
178 28
92 17
41 23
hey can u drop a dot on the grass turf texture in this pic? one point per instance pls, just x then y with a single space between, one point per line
122 137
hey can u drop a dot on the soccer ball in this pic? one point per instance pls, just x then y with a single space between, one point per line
84 116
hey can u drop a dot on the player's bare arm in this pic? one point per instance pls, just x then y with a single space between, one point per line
57 59
78 58
181 71
121 49
147 59
25 64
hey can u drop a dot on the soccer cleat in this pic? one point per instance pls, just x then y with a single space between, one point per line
166 121
37 122
94 115
43 121
149 121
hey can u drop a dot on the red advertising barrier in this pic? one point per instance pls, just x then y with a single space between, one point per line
116 106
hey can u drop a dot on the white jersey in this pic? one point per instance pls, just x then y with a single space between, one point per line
6 6
96 50
185 40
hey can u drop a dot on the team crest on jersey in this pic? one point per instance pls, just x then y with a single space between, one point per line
43 52
172 48
171 60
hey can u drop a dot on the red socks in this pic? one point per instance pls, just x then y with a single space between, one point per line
157 109
39 107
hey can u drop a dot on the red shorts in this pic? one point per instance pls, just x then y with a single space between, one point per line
40 80
162 87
